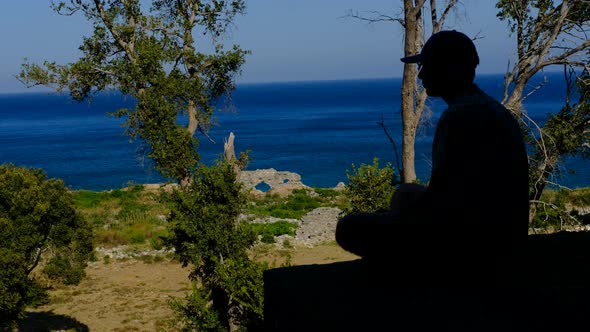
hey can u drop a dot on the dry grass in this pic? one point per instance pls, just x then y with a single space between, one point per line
132 295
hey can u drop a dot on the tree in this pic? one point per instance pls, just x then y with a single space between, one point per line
413 95
548 33
38 223
151 55
207 235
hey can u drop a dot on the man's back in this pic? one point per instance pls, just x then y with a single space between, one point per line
480 169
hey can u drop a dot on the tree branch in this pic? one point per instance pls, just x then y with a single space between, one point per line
382 125
378 17
118 38
418 7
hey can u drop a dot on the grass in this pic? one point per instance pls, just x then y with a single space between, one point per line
123 216
576 197
296 205
270 230
134 216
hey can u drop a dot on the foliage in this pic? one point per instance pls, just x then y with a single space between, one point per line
37 218
270 230
123 216
555 213
547 33
149 53
370 187
565 133
87 198
296 205
538 18
205 233
327 192
195 313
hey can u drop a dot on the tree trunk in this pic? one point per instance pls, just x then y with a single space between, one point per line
193 122
410 115
220 304
229 153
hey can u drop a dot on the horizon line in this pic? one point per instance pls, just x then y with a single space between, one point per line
52 91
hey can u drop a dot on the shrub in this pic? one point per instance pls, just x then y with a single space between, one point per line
551 212
135 235
111 238
204 231
370 187
159 238
270 230
327 192
37 216
295 206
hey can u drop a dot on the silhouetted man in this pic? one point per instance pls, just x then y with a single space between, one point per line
475 207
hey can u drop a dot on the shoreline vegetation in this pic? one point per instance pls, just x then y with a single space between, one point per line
133 215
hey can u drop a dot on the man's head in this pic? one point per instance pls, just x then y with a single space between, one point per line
448 61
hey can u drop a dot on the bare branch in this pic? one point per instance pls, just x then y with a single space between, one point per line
449 6
548 42
204 132
382 125
558 59
418 7
557 208
433 17
374 17
540 142
540 85
118 38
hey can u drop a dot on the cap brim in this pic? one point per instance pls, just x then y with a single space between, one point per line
412 59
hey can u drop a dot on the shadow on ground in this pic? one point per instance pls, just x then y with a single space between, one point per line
46 321
545 288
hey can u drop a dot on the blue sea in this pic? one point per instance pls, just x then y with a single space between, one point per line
317 129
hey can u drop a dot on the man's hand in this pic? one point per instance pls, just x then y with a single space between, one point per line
406 195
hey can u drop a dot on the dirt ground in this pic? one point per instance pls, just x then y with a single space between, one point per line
133 295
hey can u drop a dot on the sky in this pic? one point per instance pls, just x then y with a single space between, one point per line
290 40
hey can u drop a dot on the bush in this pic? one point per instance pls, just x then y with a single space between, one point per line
370 188
327 192
159 238
37 216
205 232
552 212
270 230
295 206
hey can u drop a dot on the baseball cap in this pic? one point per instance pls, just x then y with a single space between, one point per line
448 46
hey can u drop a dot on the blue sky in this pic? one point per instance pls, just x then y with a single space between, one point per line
290 40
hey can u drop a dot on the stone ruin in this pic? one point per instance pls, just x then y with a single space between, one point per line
277 182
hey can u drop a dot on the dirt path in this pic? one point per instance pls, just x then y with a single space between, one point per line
132 295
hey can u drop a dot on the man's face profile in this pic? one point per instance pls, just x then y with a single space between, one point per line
430 75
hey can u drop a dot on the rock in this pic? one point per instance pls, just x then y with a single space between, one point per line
318 226
340 186
125 252
281 183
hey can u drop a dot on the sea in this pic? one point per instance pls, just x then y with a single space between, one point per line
317 129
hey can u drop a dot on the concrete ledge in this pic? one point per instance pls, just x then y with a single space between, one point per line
549 289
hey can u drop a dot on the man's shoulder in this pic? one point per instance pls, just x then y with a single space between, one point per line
476 100
479 106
